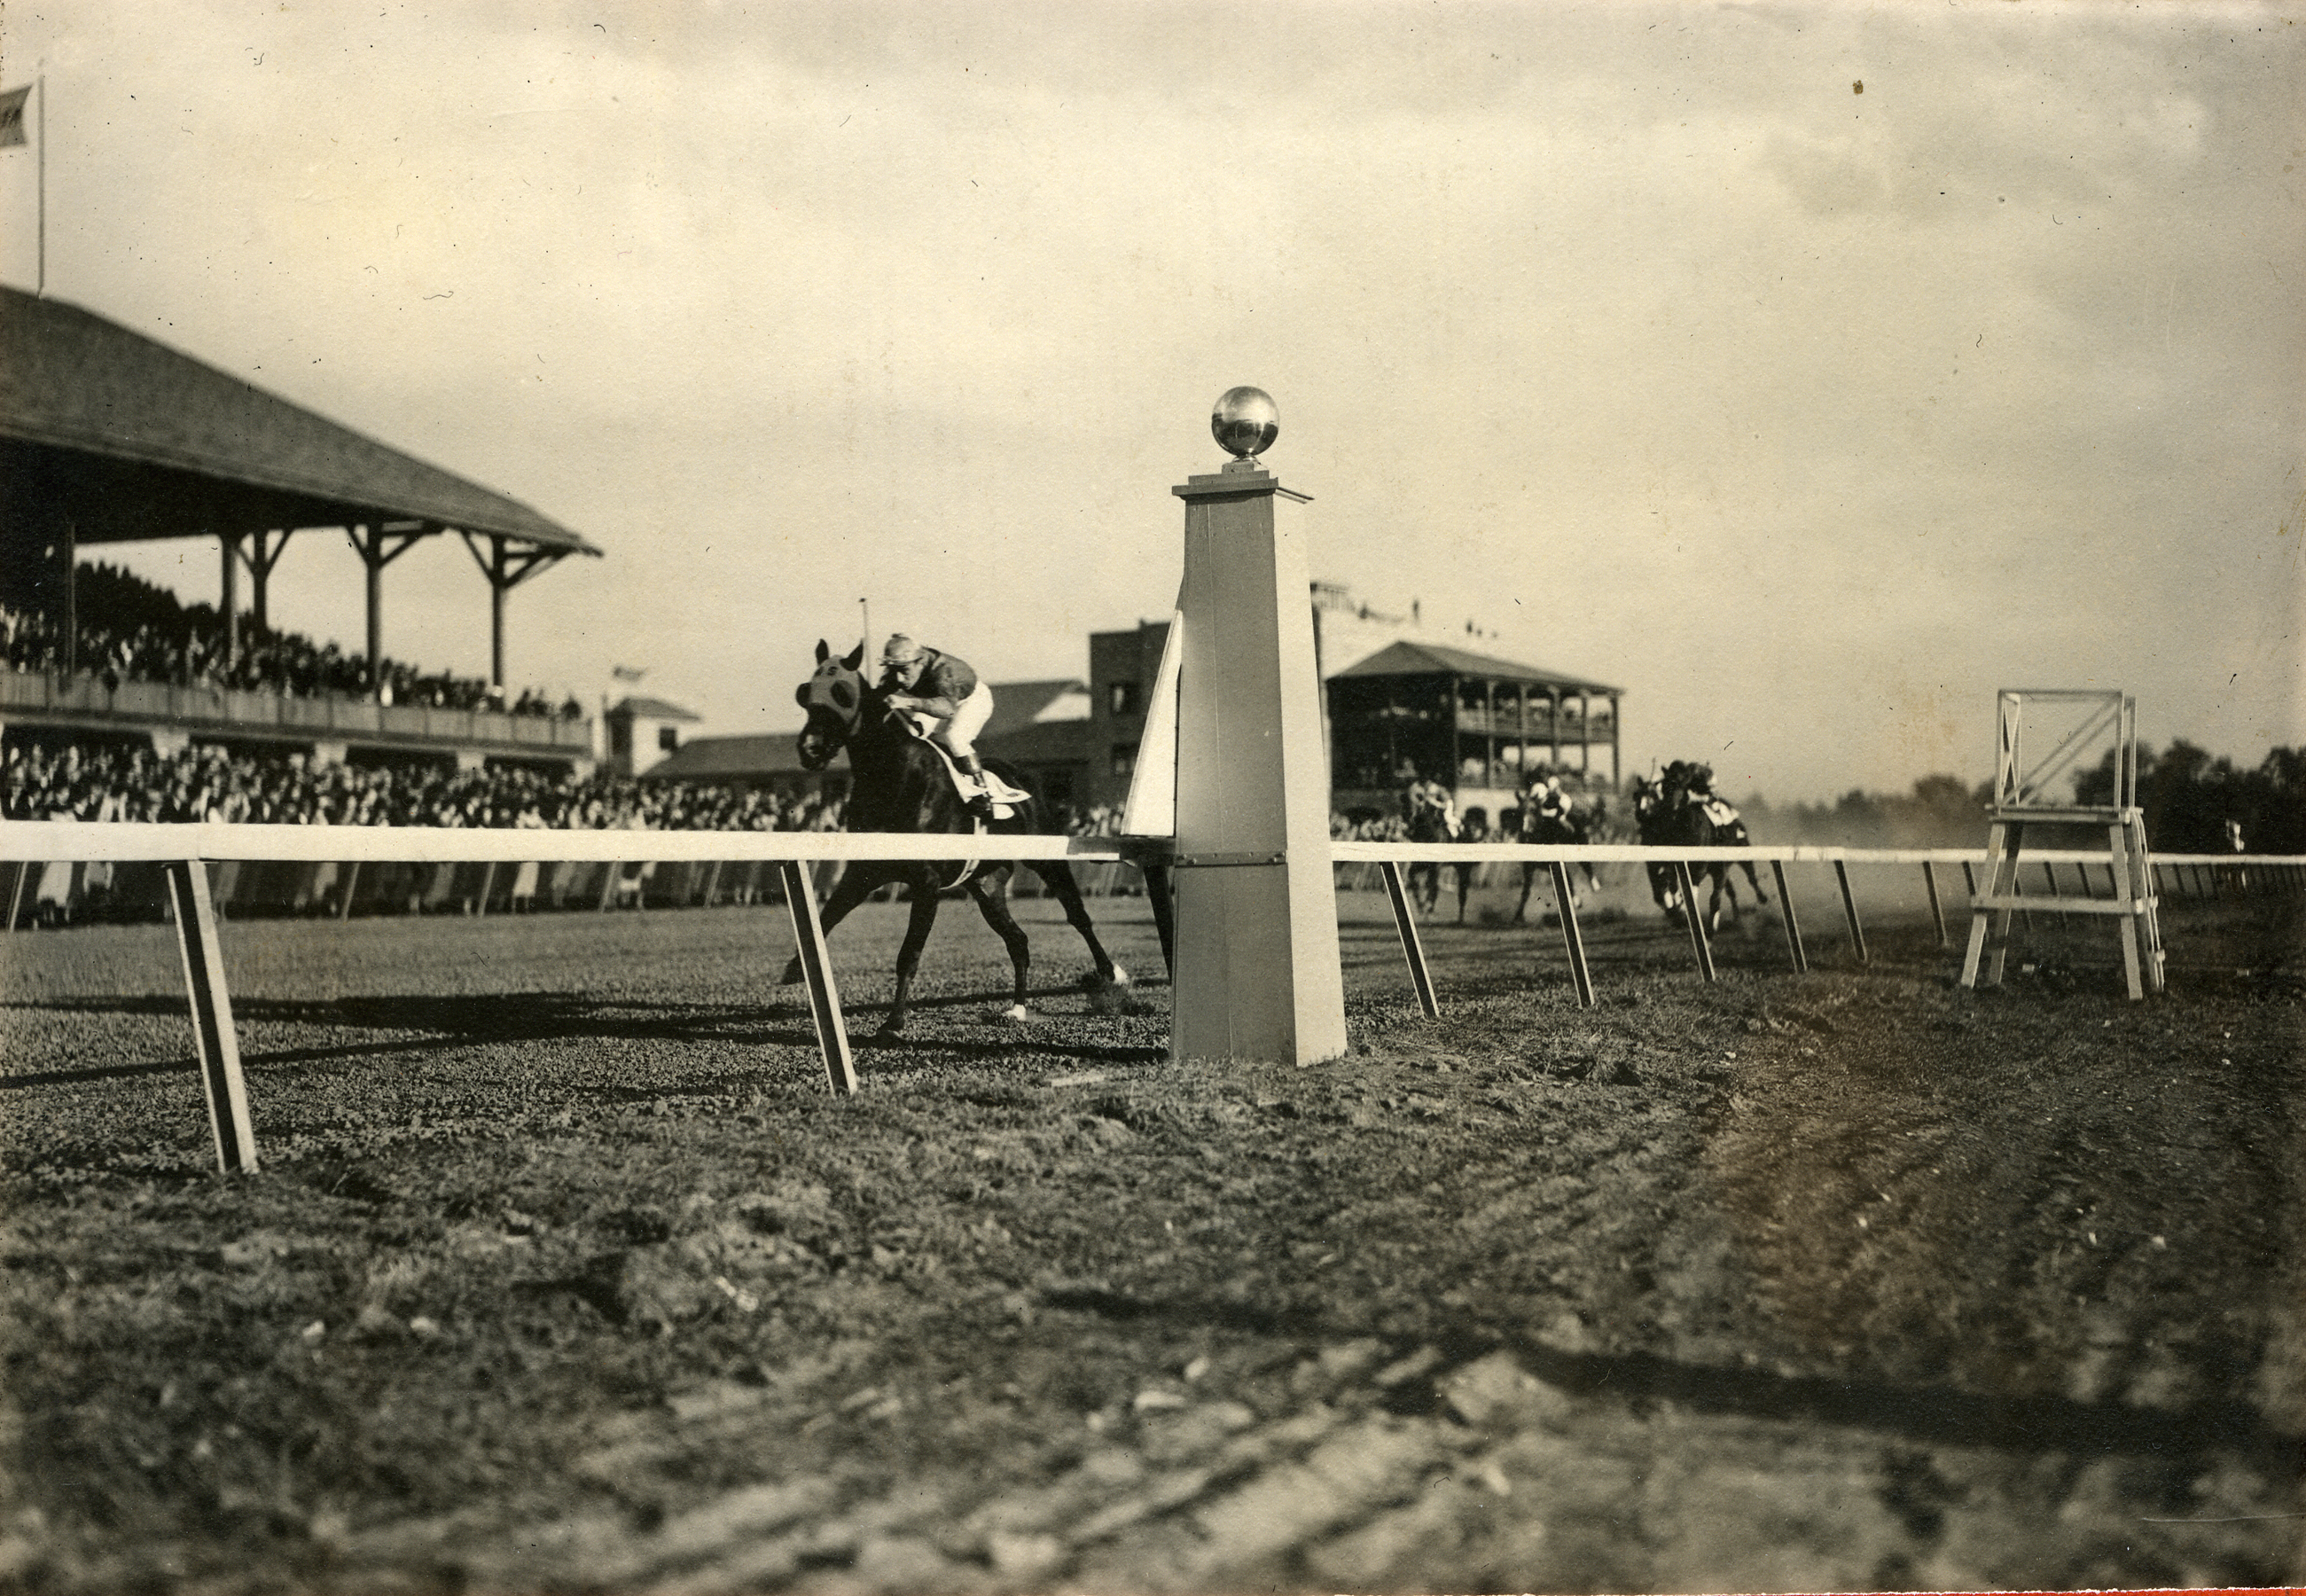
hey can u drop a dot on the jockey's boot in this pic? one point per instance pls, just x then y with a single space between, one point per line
980 804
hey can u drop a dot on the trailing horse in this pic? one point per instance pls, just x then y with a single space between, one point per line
1672 814
1572 826
1429 821
900 782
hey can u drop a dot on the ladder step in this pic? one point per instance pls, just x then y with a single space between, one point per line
2064 906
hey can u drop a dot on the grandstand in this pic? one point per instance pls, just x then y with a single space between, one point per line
109 437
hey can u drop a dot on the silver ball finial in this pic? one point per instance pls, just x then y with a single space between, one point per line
1245 422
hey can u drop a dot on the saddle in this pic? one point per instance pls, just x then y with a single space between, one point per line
1006 800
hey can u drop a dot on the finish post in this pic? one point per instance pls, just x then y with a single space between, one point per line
1257 974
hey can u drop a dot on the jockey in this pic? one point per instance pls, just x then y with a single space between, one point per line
1717 809
925 681
1425 795
1544 797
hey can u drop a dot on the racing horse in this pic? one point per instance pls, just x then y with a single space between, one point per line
1429 821
1677 812
900 782
1572 826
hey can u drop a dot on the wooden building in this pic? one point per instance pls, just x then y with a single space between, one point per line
1476 724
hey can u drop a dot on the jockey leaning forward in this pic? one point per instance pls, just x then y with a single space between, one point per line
925 681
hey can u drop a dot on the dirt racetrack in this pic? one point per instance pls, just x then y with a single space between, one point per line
564 1272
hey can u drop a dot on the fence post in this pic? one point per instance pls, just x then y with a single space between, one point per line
213 1036
1693 921
816 969
1937 910
1405 920
1571 937
1849 911
1790 919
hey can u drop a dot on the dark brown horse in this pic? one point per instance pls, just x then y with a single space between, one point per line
898 782
1679 812
1428 822
1572 824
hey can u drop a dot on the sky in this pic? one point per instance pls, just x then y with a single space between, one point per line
1810 370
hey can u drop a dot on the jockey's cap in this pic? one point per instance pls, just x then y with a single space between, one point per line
900 650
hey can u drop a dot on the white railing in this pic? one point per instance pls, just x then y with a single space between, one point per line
184 851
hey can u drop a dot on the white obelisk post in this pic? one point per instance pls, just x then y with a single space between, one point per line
1256 974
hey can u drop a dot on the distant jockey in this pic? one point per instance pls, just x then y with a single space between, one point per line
1425 797
941 686
1544 798
1719 810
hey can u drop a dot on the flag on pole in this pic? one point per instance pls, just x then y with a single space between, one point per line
12 116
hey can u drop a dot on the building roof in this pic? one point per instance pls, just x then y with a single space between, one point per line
130 439
721 759
1432 658
1017 705
651 709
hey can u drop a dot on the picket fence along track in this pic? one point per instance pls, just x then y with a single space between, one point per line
182 847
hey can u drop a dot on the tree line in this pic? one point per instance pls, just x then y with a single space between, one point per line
2188 794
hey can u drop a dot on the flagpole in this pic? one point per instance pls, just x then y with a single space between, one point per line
40 271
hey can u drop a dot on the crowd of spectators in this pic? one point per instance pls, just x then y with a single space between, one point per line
133 630
207 783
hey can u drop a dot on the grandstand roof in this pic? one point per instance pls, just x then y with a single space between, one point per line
128 439
1431 658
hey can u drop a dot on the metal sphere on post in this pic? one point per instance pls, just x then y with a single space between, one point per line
1257 969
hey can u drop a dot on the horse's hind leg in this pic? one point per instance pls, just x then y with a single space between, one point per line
1521 910
994 904
1059 875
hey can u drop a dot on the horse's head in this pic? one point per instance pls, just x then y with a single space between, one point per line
835 696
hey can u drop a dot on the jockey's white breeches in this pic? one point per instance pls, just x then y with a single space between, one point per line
958 734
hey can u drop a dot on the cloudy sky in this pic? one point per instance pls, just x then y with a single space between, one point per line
1810 370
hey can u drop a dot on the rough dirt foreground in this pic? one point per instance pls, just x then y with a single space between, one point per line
1850 1281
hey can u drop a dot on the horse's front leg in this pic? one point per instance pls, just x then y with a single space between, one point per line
856 883
994 904
909 955
1059 877
1521 910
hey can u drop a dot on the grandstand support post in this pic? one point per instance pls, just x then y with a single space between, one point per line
1693 921
1258 973
1405 920
817 970
379 544
1849 912
229 599
1572 938
1789 920
505 570
1937 910
212 1028
262 555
